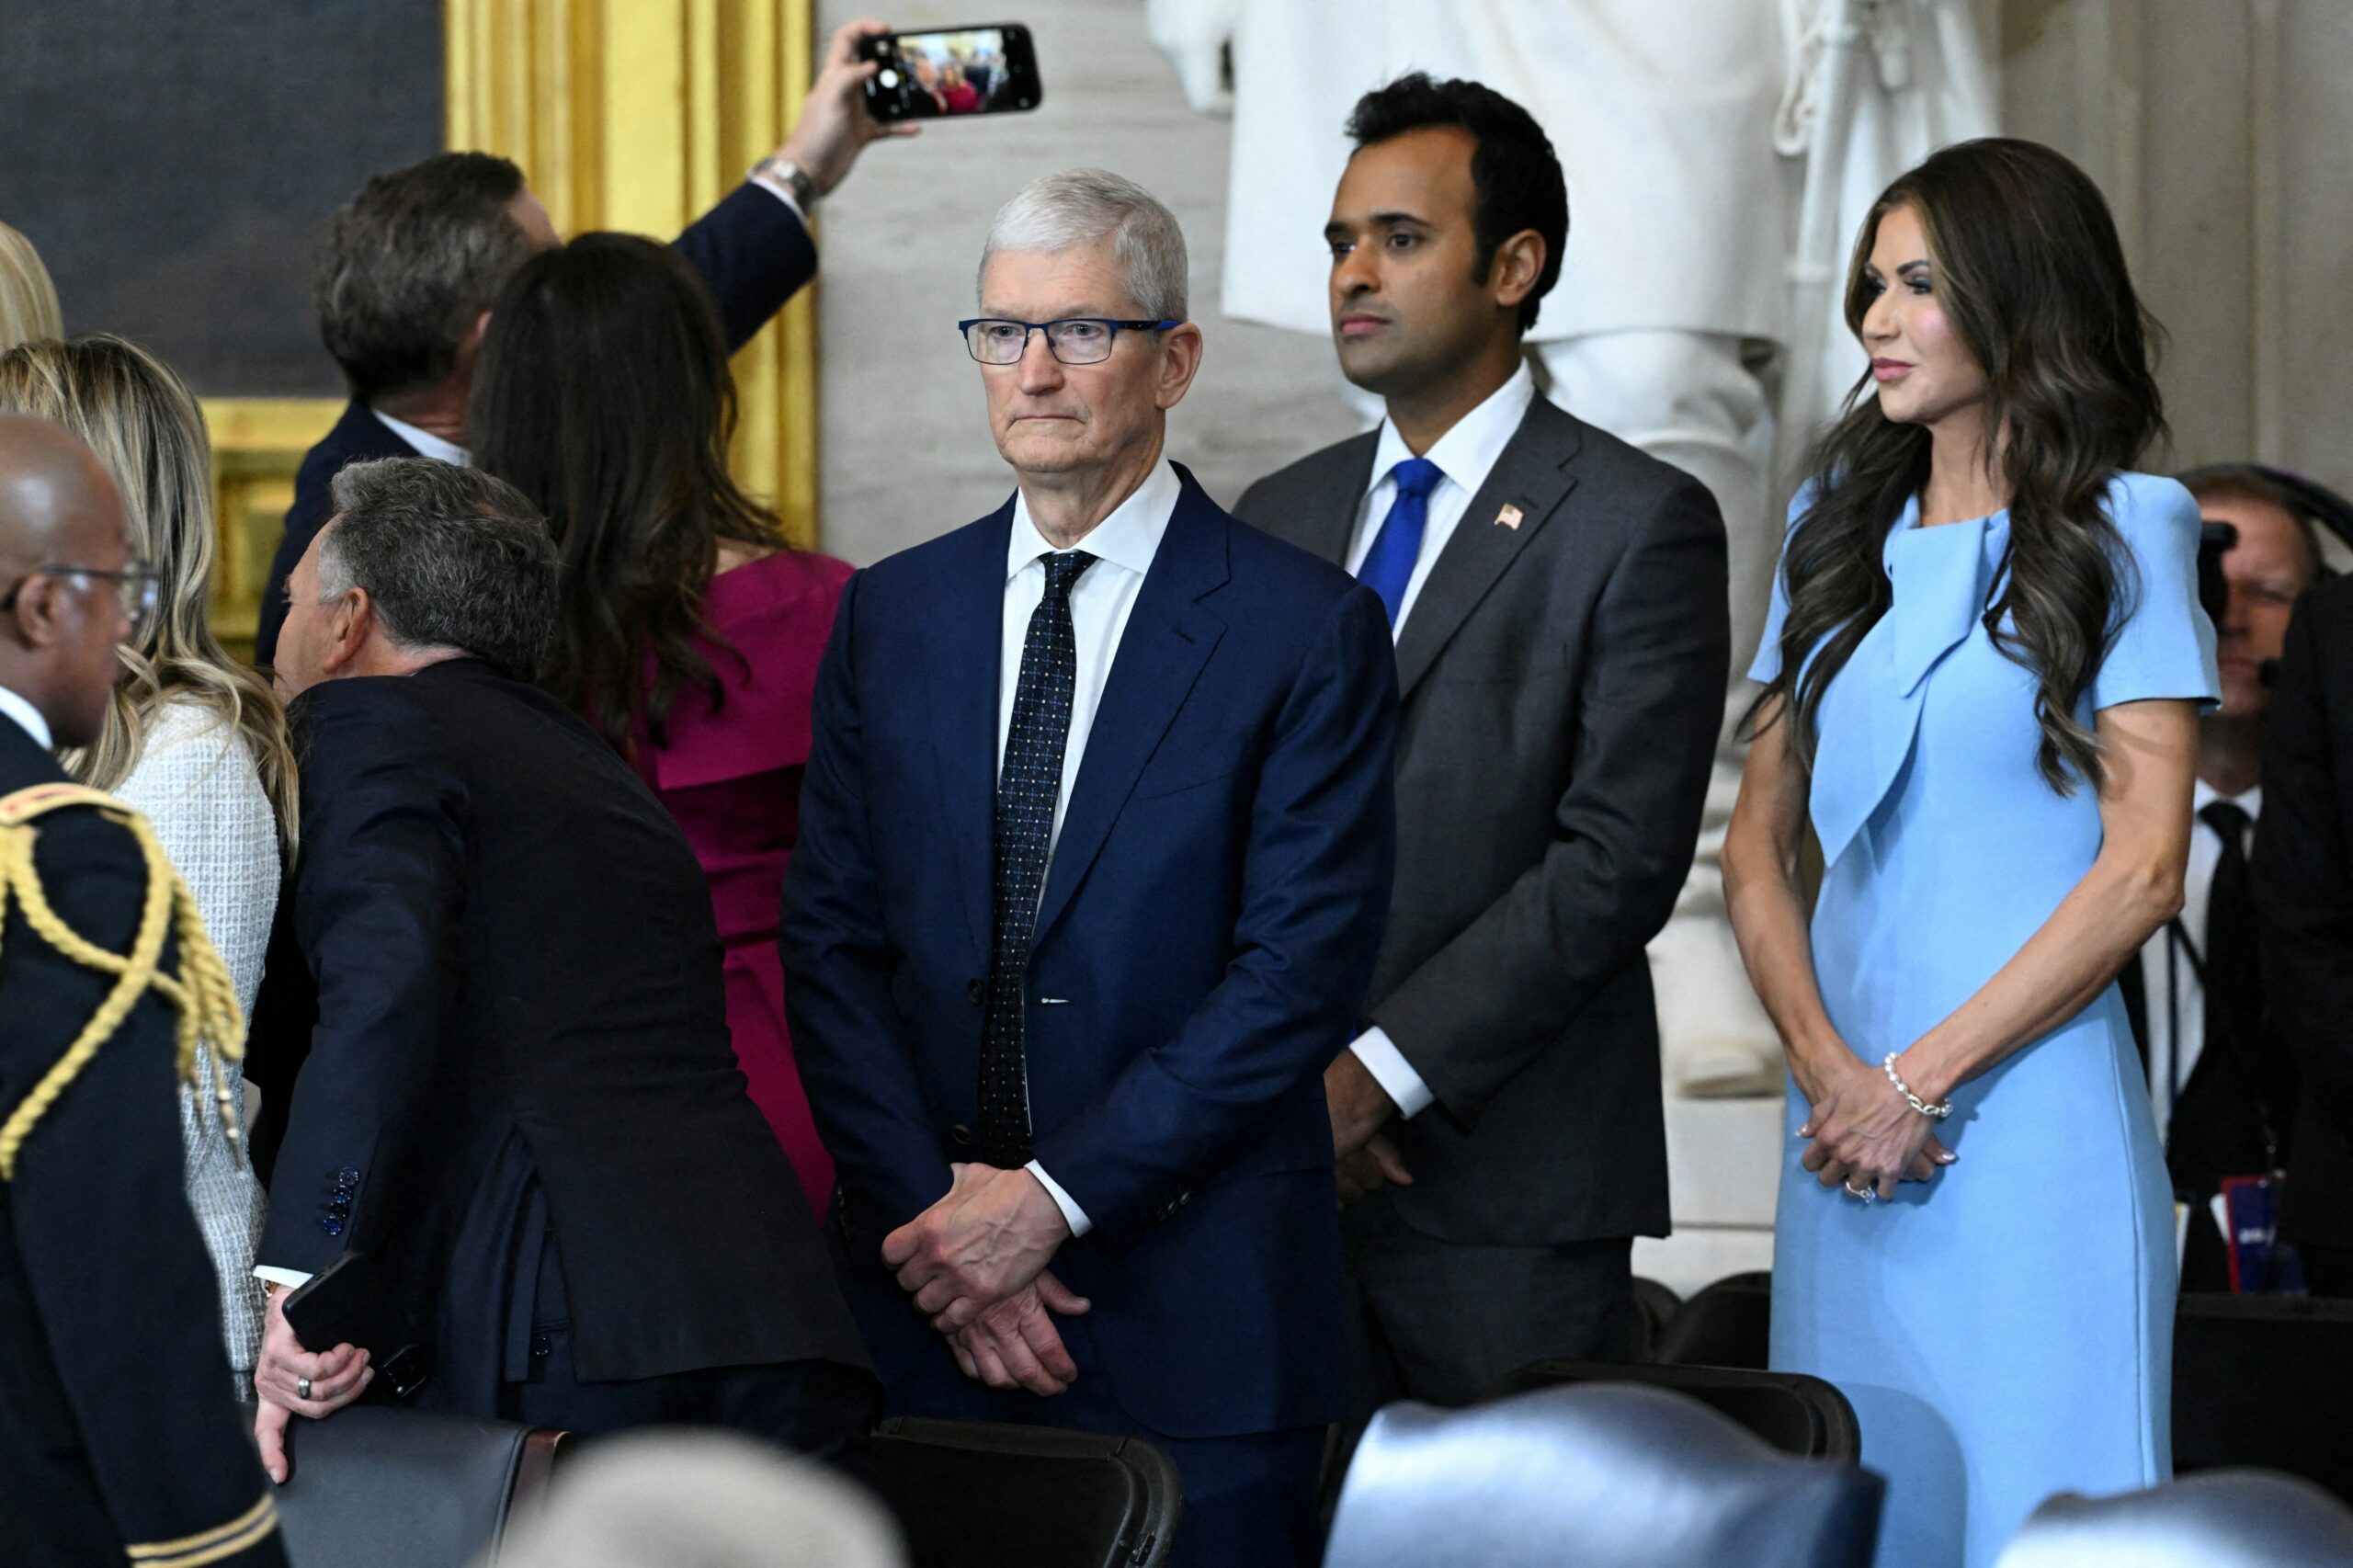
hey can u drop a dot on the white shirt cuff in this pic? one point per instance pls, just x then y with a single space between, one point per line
1392 1072
1076 1217
783 193
293 1279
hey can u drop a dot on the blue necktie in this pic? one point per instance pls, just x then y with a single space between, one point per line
1389 564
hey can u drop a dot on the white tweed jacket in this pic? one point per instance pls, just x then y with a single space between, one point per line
196 781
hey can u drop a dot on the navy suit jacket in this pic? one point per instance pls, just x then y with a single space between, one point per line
753 253
1202 949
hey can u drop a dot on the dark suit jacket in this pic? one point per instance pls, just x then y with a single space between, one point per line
519 1004
116 1428
1207 926
2236 1110
753 253
2304 887
1563 684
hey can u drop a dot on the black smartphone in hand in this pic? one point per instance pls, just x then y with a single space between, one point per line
949 73
347 1303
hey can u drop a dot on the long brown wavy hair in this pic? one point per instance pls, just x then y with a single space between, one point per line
2029 272
603 394
138 416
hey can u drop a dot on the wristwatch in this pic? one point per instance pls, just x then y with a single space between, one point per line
790 174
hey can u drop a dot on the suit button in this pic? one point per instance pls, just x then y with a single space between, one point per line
331 1225
541 1347
978 992
347 1176
961 1135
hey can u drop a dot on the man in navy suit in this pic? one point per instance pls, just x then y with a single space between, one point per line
412 263
1096 846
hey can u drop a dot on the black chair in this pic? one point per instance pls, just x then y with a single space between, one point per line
2266 1381
1656 1306
1796 1414
1729 1324
1604 1476
375 1486
2241 1518
973 1494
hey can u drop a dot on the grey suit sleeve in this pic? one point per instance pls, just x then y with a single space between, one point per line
1647 714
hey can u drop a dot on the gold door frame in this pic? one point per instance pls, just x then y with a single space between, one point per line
625 114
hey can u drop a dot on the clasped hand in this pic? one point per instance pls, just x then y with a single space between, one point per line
975 1263
1864 1134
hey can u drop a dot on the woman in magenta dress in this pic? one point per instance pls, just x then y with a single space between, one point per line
690 630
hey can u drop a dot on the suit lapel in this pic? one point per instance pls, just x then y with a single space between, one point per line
1168 639
1328 520
1532 474
963 646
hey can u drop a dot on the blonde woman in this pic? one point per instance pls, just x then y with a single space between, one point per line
194 739
27 299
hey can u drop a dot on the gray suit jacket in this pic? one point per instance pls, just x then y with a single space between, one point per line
1563 683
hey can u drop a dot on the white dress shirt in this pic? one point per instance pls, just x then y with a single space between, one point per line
2177 1032
1100 602
27 716
1466 454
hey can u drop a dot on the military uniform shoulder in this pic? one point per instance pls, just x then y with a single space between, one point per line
72 811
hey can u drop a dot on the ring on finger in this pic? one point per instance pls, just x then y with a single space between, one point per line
303 1388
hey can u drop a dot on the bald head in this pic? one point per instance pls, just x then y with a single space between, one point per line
62 548
56 501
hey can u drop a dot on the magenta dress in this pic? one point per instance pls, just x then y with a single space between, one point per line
733 780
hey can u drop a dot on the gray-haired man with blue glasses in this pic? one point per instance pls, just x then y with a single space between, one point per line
1094 853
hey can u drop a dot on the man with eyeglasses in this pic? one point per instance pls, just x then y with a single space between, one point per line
1096 842
121 1436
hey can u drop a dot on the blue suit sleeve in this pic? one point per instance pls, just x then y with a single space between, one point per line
1316 872
2165 644
849 1038
754 253
377 900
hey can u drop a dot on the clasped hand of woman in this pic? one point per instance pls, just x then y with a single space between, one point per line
1864 1134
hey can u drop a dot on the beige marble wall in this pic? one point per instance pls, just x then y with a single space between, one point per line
905 448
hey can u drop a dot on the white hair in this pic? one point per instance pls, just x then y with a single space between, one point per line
1080 207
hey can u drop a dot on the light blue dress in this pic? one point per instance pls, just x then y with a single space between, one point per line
2004 1330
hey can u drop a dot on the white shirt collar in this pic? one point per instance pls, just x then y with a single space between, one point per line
1129 538
26 715
426 443
2202 794
1468 450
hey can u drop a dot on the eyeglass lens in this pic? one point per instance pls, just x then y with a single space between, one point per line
1071 342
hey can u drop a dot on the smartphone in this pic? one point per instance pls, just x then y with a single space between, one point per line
347 1303
949 73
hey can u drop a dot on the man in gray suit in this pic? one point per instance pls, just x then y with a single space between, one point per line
1559 606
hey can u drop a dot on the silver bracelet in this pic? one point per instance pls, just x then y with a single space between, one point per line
1937 1111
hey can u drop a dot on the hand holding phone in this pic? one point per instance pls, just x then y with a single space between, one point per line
950 73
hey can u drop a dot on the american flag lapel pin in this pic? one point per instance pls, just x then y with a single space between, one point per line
1509 517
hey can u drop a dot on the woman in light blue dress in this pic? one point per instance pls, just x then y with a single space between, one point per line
1982 674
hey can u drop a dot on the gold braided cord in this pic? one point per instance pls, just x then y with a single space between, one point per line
202 994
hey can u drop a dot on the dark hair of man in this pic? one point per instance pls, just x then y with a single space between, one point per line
1516 180
2264 487
450 557
408 263
2029 271
603 394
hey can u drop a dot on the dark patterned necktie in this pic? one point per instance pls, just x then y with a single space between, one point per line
1027 793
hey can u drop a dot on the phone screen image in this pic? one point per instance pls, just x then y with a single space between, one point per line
943 75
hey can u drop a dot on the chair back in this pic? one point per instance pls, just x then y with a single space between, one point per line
377 1486
977 1494
1655 1306
1798 1415
1729 1324
2264 1381
2226 1519
1606 1476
